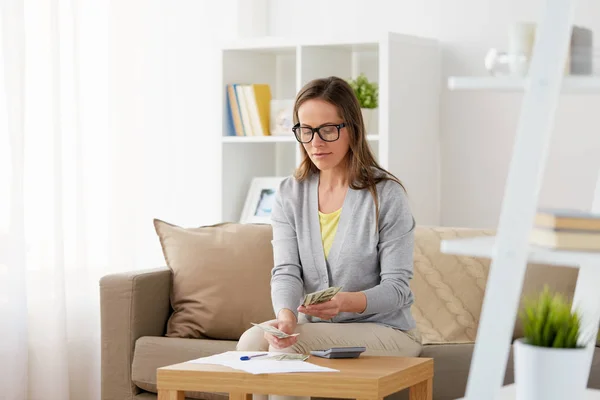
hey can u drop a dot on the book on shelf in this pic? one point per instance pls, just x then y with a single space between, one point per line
566 230
248 109
567 219
566 239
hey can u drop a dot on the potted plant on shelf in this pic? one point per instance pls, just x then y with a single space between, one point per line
550 361
368 96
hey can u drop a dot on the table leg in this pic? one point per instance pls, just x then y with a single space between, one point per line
422 390
171 394
240 396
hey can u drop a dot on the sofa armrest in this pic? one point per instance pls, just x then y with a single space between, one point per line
132 305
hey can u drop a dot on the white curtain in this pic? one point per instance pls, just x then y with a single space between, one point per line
106 121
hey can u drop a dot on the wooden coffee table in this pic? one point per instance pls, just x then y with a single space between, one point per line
365 378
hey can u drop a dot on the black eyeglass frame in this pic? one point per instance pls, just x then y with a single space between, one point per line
317 130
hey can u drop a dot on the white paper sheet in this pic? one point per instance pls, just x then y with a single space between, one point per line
258 365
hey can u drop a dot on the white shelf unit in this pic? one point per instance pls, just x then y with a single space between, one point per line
407 70
510 250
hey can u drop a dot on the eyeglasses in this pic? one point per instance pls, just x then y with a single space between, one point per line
328 133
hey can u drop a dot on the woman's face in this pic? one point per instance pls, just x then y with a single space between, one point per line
317 113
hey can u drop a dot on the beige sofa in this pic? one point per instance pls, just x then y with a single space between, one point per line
135 309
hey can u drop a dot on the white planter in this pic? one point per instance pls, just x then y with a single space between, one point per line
370 117
543 373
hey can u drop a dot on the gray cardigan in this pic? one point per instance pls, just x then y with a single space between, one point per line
376 261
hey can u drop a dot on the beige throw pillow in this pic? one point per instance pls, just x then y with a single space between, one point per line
221 278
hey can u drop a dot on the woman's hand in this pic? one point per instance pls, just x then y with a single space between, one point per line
286 323
353 302
326 310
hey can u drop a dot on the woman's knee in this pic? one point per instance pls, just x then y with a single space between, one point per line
253 340
292 349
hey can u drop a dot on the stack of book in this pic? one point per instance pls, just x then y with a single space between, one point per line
248 109
566 230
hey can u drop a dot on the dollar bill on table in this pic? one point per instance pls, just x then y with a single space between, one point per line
288 357
321 296
274 331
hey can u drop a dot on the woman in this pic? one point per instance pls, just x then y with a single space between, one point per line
341 220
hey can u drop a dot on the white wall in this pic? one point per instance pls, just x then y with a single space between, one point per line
319 17
478 129
164 63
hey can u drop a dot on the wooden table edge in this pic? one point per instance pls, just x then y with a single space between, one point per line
419 376
301 385
397 382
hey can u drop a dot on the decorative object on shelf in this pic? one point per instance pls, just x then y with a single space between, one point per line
368 96
550 360
521 39
499 63
282 116
259 200
582 51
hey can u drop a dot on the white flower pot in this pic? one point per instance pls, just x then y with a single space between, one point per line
543 373
370 117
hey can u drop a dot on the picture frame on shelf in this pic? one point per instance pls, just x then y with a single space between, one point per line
281 117
260 199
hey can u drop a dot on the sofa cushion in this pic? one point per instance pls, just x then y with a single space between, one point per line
154 352
221 278
451 364
449 289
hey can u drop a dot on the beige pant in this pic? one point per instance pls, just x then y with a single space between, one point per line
378 339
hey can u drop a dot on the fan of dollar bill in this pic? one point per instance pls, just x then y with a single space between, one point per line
274 331
321 296
311 298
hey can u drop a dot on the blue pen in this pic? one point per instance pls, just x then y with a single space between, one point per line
246 358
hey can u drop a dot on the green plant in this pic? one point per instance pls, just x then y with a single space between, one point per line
548 321
366 92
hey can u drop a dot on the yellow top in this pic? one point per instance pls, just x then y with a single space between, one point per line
329 224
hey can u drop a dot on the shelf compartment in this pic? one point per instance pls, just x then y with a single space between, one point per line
275 67
344 61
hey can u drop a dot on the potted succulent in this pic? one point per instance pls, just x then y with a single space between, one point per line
550 360
367 93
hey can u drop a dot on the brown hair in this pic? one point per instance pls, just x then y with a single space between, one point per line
362 166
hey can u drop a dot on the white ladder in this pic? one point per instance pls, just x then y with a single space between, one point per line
509 250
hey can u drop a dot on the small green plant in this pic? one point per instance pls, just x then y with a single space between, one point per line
548 321
366 92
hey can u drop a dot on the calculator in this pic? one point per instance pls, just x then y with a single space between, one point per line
339 352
